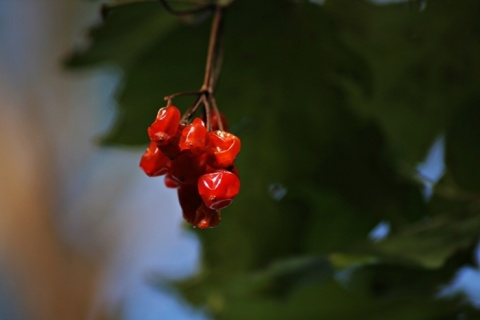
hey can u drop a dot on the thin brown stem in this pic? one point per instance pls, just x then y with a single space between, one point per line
217 112
208 120
213 63
182 93
212 49
218 59
198 102
216 68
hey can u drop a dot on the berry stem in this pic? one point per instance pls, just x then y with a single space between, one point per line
213 50
206 106
212 67
213 102
198 102
182 93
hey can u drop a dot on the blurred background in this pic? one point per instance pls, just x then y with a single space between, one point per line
84 234
81 227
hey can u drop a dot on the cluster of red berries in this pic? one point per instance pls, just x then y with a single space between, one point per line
196 161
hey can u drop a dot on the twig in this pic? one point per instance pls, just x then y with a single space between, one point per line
212 54
212 67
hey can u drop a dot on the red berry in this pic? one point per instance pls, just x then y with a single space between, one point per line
206 217
170 182
200 164
154 162
194 210
187 168
218 189
222 148
172 148
164 128
189 200
193 137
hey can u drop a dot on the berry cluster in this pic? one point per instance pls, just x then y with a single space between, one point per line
197 161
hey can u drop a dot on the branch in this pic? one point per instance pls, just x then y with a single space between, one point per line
213 50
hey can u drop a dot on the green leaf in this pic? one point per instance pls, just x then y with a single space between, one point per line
422 69
332 301
279 279
150 46
463 148
129 31
334 104
346 261
287 275
429 243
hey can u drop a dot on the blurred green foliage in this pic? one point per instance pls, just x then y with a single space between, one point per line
336 104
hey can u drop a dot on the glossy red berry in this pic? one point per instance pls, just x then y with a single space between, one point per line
190 201
172 148
222 148
193 137
170 182
198 163
187 168
194 210
218 189
206 217
165 126
154 162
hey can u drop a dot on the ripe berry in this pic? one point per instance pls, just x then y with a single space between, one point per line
189 200
198 163
222 148
193 137
154 162
194 210
187 168
172 148
206 217
171 182
165 125
218 189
